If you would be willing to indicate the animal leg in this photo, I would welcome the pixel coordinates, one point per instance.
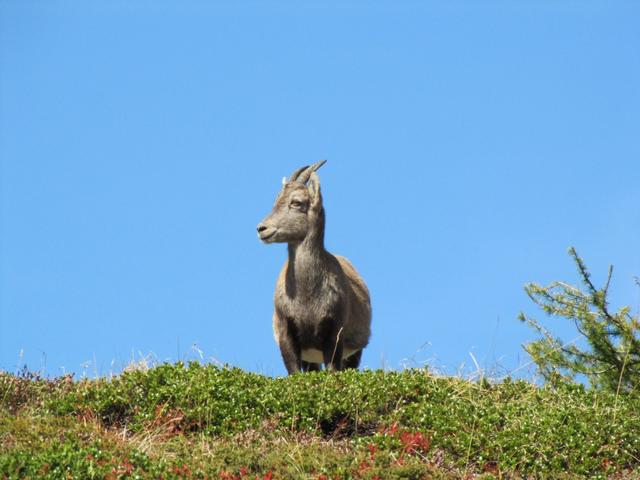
(289, 347)
(310, 367)
(353, 361)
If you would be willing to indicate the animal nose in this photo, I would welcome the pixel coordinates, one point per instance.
(261, 228)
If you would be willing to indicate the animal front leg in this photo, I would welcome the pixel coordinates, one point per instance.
(289, 347)
(290, 355)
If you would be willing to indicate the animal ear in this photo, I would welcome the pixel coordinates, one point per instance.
(314, 189)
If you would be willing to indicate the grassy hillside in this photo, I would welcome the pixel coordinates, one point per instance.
(194, 421)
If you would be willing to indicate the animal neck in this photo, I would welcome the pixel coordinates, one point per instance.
(306, 261)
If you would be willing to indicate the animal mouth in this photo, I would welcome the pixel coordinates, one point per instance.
(267, 234)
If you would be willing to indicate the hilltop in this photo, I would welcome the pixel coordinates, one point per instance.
(202, 421)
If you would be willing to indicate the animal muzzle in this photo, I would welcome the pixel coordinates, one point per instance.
(266, 233)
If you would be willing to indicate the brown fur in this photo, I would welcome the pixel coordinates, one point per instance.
(322, 307)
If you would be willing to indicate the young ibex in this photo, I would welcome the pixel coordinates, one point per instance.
(322, 308)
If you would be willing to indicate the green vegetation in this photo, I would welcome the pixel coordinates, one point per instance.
(200, 421)
(195, 421)
(611, 359)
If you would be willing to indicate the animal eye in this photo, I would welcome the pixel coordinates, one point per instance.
(296, 203)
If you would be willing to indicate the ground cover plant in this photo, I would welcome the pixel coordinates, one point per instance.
(184, 421)
(201, 421)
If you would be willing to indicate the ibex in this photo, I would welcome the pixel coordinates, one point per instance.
(322, 308)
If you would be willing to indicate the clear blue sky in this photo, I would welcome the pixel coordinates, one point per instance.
(469, 144)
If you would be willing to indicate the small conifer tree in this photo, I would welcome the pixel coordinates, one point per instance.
(610, 358)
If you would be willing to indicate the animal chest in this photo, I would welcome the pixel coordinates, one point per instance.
(310, 306)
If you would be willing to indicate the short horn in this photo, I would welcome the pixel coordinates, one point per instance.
(297, 173)
(306, 173)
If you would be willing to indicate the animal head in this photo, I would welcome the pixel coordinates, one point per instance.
(297, 208)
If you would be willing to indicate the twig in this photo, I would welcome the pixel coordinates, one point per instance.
(336, 345)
